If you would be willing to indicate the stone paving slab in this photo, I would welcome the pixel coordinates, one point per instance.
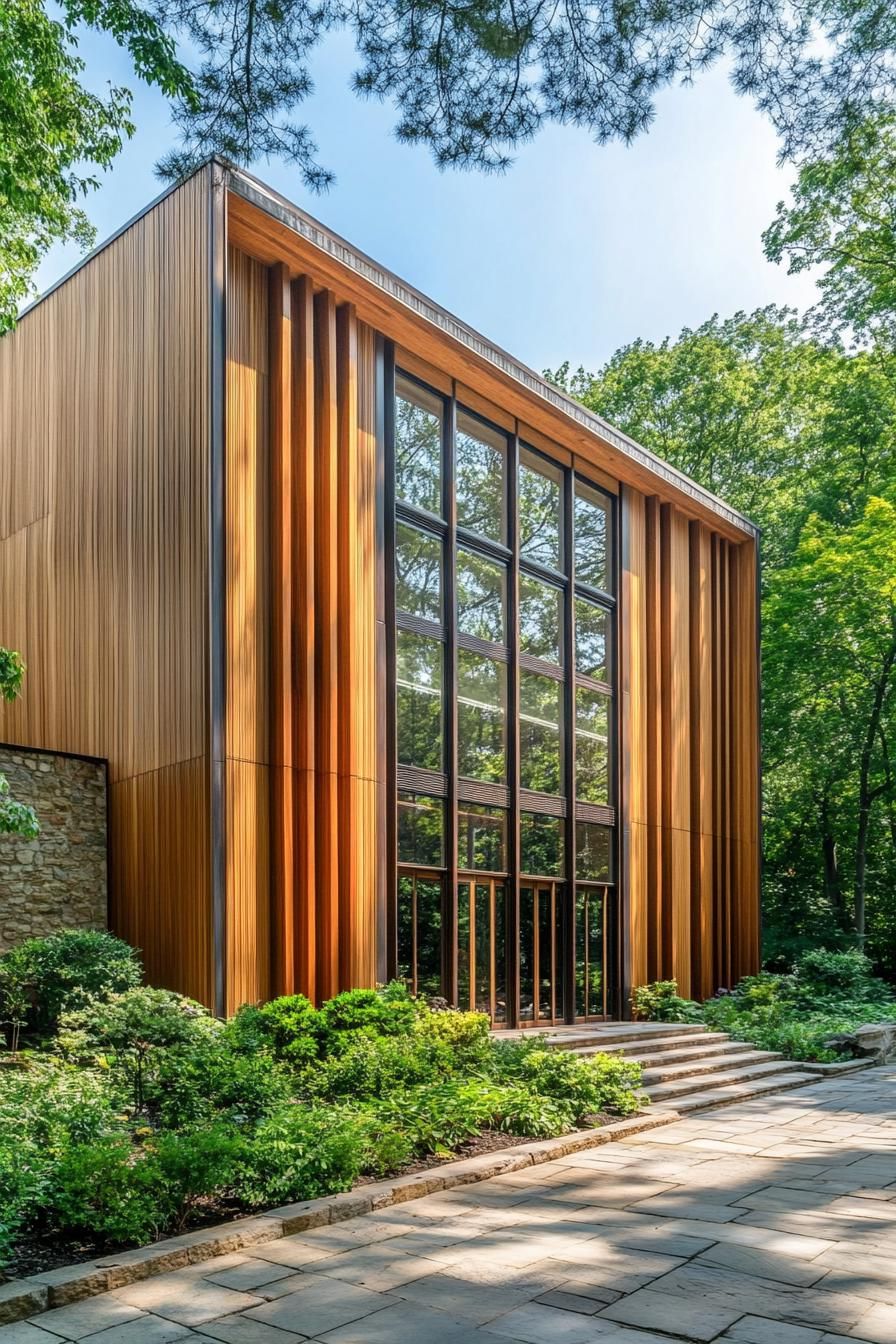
(773, 1222)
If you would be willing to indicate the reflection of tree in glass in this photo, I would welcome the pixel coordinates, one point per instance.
(419, 700)
(541, 845)
(591, 640)
(481, 697)
(541, 701)
(592, 746)
(540, 619)
(420, 830)
(418, 573)
(591, 541)
(539, 508)
(481, 838)
(592, 852)
(481, 586)
(418, 451)
(428, 929)
(479, 477)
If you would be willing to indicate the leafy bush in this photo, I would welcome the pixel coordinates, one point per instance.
(195, 1165)
(374, 1066)
(103, 1190)
(213, 1079)
(586, 1085)
(383, 1012)
(291, 1027)
(64, 972)
(660, 1002)
(134, 1028)
(846, 974)
(299, 1152)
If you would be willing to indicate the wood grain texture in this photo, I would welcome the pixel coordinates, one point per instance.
(690, 742)
(104, 439)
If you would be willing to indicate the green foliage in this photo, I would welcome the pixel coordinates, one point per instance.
(386, 1012)
(587, 1085)
(826, 993)
(15, 818)
(801, 436)
(213, 1077)
(61, 973)
(101, 1190)
(132, 1031)
(291, 1027)
(660, 1002)
(299, 1152)
(56, 132)
(840, 219)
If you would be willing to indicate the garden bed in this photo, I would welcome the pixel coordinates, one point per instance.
(134, 1115)
(805, 1014)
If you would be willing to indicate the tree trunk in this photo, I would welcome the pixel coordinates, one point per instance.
(867, 794)
(833, 884)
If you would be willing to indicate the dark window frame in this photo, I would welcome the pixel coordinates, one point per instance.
(448, 785)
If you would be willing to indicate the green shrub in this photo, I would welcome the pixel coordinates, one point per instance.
(374, 1066)
(467, 1034)
(517, 1110)
(846, 974)
(64, 972)
(660, 1002)
(201, 1164)
(213, 1079)
(586, 1085)
(300, 1152)
(132, 1030)
(382, 1012)
(291, 1027)
(105, 1190)
(385, 1146)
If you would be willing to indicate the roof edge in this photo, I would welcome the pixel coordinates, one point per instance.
(318, 235)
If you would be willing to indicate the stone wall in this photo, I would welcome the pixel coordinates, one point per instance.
(57, 881)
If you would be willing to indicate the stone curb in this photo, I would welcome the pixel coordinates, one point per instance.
(834, 1070)
(22, 1298)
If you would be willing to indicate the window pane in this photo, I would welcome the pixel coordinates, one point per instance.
(593, 550)
(592, 640)
(419, 700)
(418, 446)
(480, 458)
(420, 934)
(541, 706)
(482, 838)
(540, 512)
(593, 852)
(420, 830)
(592, 746)
(463, 946)
(541, 619)
(418, 573)
(481, 702)
(481, 597)
(541, 845)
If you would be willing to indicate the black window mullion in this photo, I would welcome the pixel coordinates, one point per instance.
(569, 1007)
(512, 936)
(449, 509)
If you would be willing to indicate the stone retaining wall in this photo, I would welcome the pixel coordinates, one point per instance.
(59, 880)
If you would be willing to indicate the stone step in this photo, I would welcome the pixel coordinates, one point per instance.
(616, 1034)
(730, 1093)
(684, 1047)
(670, 1072)
(683, 1087)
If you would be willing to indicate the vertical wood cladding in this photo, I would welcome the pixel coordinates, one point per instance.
(690, 718)
(301, 586)
(104, 436)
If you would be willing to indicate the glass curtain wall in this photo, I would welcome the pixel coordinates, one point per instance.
(501, 622)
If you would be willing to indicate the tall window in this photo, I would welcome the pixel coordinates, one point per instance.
(504, 717)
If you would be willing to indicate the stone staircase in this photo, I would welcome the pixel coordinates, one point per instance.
(685, 1066)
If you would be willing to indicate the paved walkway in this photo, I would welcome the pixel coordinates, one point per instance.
(773, 1222)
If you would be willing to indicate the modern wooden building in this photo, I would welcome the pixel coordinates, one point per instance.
(403, 663)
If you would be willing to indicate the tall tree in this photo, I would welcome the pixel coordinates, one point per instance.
(802, 437)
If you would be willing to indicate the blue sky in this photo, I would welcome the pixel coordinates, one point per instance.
(577, 250)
